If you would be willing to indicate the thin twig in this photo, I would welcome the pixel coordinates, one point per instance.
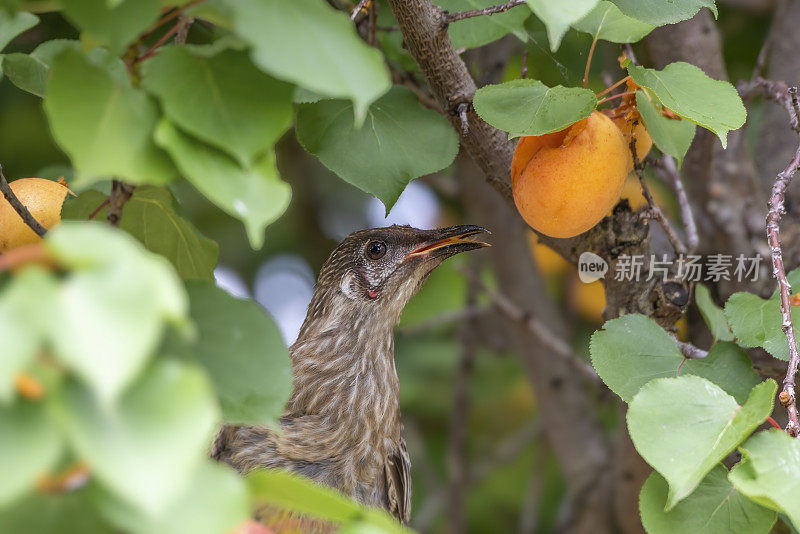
(538, 329)
(667, 164)
(448, 17)
(766, 46)
(358, 9)
(98, 209)
(183, 32)
(459, 421)
(775, 91)
(523, 72)
(443, 319)
(171, 15)
(589, 62)
(120, 194)
(19, 207)
(178, 27)
(776, 210)
(654, 211)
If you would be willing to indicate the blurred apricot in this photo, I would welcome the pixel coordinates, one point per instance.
(43, 198)
(589, 300)
(550, 262)
(565, 182)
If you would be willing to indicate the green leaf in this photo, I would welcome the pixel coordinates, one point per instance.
(244, 111)
(111, 310)
(769, 472)
(319, 49)
(727, 366)
(558, 16)
(285, 490)
(105, 128)
(632, 350)
(756, 322)
(214, 501)
(70, 512)
(152, 216)
(659, 13)
(478, 31)
(715, 507)
(712, 314)
(529, 107)
(115, 26)
(684, 426)
(608, 23)
(400, 141)
(31, 443)
(671, 136)
(101, 57)
(13, 24)
(23, 319)
(255, 195)
(689, 92)
(241, 348)
(26, 72)
(147, 449)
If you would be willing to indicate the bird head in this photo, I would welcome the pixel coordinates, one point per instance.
(380, 269)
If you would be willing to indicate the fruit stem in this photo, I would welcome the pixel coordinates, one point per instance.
(589, 63)
(773, 423)
(609, 89)
(626, 93)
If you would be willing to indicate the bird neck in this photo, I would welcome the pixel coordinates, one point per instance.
(343, 369)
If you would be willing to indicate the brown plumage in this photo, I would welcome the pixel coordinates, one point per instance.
(341, 426)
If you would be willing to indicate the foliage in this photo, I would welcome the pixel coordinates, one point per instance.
(139, 358)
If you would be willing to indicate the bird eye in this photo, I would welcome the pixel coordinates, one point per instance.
(376, 250)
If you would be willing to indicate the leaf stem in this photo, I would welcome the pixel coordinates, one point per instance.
(448, 17)
(589, 63)
(618, 95)
(611, 88)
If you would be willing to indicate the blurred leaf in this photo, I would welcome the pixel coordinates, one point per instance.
(112, 25)
(715, 507)
(528, 107)
(241, 348)
(255, 195)
(13, 24)
(712, 314)
(63, 513)
(309, 43)
(285, 490)
(30, 442)
(605, 21)
(684, 426)
(671, 136)
(478, 31)
(147, 449)
(659, 13)
(24, 302)
(244, 111)
(110, 311)
(26, 72)
(689, 92)
(558, 16)
(48, 51)
(152, 216)
(445, 291)
(769, 472)
(400, 141)
(104, 127)
(215, 501)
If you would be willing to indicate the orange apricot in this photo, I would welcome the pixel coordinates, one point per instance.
(43, 198)
(634, 126)
(567, 181)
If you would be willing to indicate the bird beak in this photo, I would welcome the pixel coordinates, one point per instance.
(449, 241)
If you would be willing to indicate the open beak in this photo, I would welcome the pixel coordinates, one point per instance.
(449, 241)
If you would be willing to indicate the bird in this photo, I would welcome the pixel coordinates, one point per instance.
(341, 426)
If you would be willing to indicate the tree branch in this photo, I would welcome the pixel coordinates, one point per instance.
(120, 194)
(19, 207)
(447, 17)
(669, 173)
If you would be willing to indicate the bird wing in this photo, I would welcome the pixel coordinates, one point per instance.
(398, 483)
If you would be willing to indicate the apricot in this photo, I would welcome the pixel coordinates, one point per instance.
(634, 126)
(43, 198)
(565, 182)
(550, 262)
(588, 300)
